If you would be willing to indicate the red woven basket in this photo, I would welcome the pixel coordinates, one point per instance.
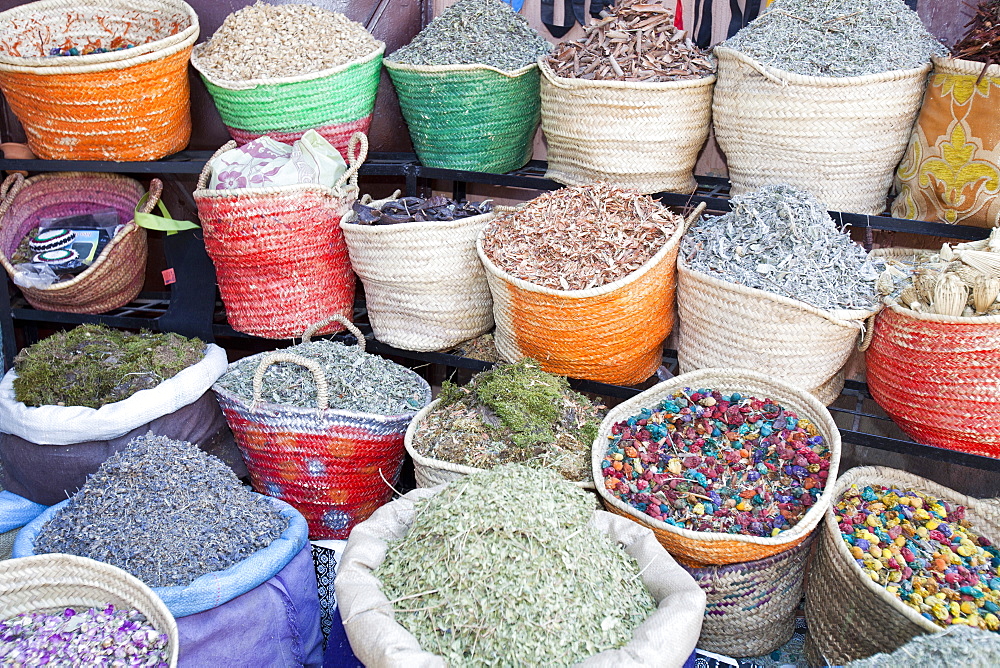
(335, 467)
(279, 253)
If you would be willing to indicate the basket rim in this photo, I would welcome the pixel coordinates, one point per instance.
(784, 77)
(345, 191)
(397, 228)
(818, 414)
(965, 66)
(250, 84)
(569, 83)
(100, 61)
(465, 67)
(672, 244)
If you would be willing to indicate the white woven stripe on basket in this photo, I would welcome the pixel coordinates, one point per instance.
(50, 583)
(725, 324)
(430, 471)
(425, 287)
(840, 138)
(748, 383)
(640, 135)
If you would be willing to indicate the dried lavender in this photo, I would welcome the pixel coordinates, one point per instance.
(783, 241)
(475, 32)
(164, 511)
(838, 38)
(484, 581)
(357, 381)
(91, 637)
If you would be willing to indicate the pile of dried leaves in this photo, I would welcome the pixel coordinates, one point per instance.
(579, 238)
(512, 413)
(636, 41)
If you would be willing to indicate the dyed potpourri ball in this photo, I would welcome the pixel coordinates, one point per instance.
(92, 637)
(726, 463)
(924, 552)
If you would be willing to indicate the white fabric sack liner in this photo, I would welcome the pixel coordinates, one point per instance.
(667, 637)
(67, 425)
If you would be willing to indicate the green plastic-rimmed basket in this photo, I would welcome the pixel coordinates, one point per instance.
(336, 102)
(469, 117)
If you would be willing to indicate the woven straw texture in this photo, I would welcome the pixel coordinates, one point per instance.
(429, 471)
(850, 616)
(116, 276)
(725, 324)
(751, 606)
(639, 135)
(840, 138)
(700, 548)
(938, 377)
(50, 583)
(279, 253)
(334, 466)
(611, 334)
(132, 104)
(337, 101)
(469, 117)
(425, 287)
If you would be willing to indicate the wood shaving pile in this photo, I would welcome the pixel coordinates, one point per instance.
(579, 238)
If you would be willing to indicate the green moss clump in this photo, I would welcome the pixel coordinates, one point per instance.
(94, 365)
(527, 401)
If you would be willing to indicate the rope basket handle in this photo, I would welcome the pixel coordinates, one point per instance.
(694, 215)
(206, 171)
(322, 387)
(869, 332)
(11, 186)
(155, 191)
(355, 158)
(308, 334)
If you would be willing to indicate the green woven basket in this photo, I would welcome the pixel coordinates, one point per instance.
(287, 107)
(469, 117)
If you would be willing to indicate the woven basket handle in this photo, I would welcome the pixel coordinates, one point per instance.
(355, 158)
(11, 186)
(308, 334)
(155, 190)
(206, 171)
(322, 387)
(693, 216)
(869, 332)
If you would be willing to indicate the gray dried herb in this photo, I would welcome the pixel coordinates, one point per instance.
(838, 38)
(164, 511)
(956, 646)
(417, 210)
(783, 241)
(501, 569)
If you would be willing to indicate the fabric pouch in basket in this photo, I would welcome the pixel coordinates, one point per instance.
(839, 590)
(639, 135)
(334, 466)
(116, 276)
(425, 288)
(279, 253)
(700, 548)
(839, 138)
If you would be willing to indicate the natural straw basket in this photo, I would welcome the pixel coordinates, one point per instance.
(279, 254)
(937, 376)
(334, 466)
(336, 102)
(725, 324)
(50, 583)
(751, 606)
(840, 138)
(132, 104)
(850, 616)
(700, 548)
(640, 135)
(116, 276)
(429, 471)
(469, 117)
(611, 334)
(425, 288)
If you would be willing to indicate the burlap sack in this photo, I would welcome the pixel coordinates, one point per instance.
(665, 639)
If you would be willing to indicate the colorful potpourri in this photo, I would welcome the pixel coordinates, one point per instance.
(92, 637)
(924, 552)
(727, 463)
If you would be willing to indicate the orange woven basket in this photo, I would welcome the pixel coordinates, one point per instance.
(700, 548)
(130, 104)
(117, 275)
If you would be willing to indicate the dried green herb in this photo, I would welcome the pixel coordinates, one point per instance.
(475, 32)
(512, 413)
(501, 569)
(94, 365)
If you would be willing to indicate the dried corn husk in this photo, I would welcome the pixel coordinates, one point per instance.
(950, 296)
(924, 283)
(885, 283)
(984, 293)
(946, 253)
(909, 298)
